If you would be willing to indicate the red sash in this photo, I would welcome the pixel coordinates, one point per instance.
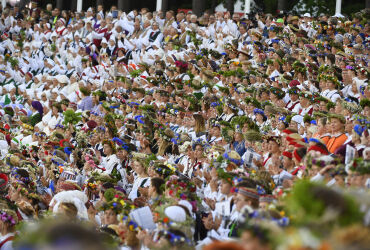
(10, 238)
(293, 105)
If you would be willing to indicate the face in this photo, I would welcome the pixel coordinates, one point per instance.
(238, 136)
(138, 167)
(274, 147)
(107, 149)
(336, 125)
(294, 97)
(198, 151)
(240, 202)
(122, 154)
(110, 217)
(225, 187)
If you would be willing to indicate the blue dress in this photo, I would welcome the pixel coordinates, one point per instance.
(239, 147)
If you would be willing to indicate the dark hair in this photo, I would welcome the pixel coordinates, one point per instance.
(301, 152)
(331, 57)
(323, 120)
(157, 183)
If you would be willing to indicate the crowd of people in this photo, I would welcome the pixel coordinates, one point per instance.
(167, 130)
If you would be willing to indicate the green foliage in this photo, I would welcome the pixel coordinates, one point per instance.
(13, 62)
(109, 194)
(316, 206)
(135, 73)
(71, 117)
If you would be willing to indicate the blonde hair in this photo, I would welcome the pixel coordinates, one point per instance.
(163, 146)
(200, 124)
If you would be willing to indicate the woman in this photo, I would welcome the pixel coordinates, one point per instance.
(338, 137)
(37, 113)
(141, 180)
(239, 143)
(155, 191)
(181, 68)
(86, 100)
(8, 220)
(111, 163)
(197, 160)
(199, 125)
(165, 145)
(322, 130)
(230, 111)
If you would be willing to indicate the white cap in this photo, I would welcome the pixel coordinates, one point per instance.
(307, 15)
(175, 213)
(104, 40)
(46, 118)
(338, 15)
(187, 205)
(27, 140)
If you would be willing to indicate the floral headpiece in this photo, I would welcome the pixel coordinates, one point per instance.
(180, 188)
(174, 239)
(167, 170)
(181, 64)
(111, 144)
(132, 225)
(119, 205)
(7, 218)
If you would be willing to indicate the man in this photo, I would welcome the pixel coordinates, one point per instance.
(55, 16)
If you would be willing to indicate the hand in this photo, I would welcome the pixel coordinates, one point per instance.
(207, 175)
(211, 203)
(258, 163)
(325, 169)
(44, 182)
(180, 167)
(217, 222)
(140, 202)
(143, 191)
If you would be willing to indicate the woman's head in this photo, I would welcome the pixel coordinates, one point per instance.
(138, 167)
(110, 217)
(200, 125)
(156, 186)
(68, 210)
(36, 105)
(108, 147)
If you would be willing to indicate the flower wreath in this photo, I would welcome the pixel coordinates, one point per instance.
(132, 225)
(181, 64)
(173, 238)
(179, 188)
(7, 218)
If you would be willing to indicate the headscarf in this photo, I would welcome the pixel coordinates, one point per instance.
(38, 106)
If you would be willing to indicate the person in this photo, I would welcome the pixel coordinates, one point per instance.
(152, 130)
(338, 137)
(141, 181)
(8, 222)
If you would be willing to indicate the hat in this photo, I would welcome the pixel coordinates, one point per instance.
(233, 156)
(294, 83)
(248, 192)
(175, 213)
(92, 124)
(3, 181)
(267, 198)
(253, 136)
(38, 106)
(288, 154)
(307, 15)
